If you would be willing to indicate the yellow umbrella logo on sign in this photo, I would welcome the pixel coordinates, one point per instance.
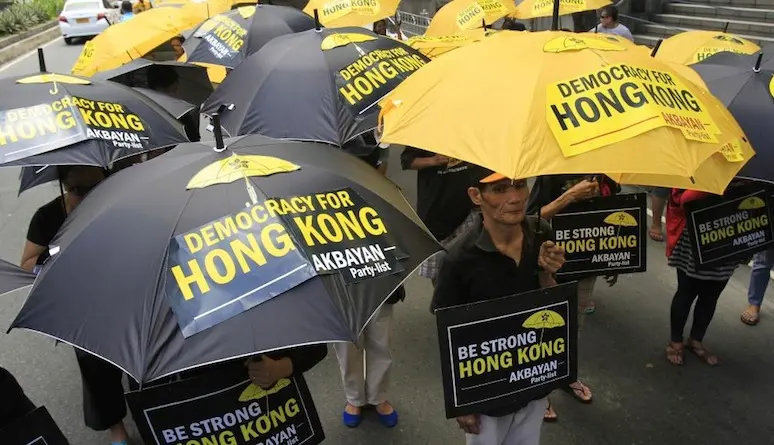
(255, 392)
(577, 43)
(238, 167)
(544, 319)
(621, 219)
(771, 86)
(753, 202)
(337, 40)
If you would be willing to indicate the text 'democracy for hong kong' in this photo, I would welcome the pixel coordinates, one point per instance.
(507, 351)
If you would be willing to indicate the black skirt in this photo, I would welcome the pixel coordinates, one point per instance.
(103, 392)
(14, 404)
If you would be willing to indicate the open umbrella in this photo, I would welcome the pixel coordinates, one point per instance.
(192, 83)
(227, 39)
(464, 15)
(532, 9)
(690, 47)
(745, 84)
(62, 119)
(133, 39)
(582, 105)
(339, 13)
(433, 47)
(13, 277)
(219, 253)
(317, 85)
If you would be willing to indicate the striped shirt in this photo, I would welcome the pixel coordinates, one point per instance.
(682, 259)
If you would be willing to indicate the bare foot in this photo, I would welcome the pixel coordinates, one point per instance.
(352, 409)
(384, 408)
(118, 433)
(751, 315)
(550, 415)
(675, 353)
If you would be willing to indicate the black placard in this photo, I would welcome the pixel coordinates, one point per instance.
(343, 233)
(603, 236)
(508, 350)
(36, 428)
(229, 411)
(730, 227)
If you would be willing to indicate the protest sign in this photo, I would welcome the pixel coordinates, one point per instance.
(619, 101)
(340, 232)
(508, 350)
(36, 428)
(603, 236)
(364, 82)
(226, 411)
(730, 227)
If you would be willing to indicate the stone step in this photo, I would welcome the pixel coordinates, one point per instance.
(735, 26)
(767, 4)
(662, 31)
(747, 13)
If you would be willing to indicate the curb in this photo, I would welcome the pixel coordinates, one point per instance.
(17, 45)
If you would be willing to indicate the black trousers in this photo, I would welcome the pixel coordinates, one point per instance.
(14, 404)
(103, 392)
(705, 293)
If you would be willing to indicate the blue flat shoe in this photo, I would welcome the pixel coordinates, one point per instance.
(351, 420)
(388, 420)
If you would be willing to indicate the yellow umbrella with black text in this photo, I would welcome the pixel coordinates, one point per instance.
(581, 105)
(340, 13)
(464, 15)
(532, 9)
(693, 46)
(317, 85)
(252, 245)
(433, 47)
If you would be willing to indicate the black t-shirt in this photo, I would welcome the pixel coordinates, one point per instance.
(474, 270)
(442, 193)
(44, 225)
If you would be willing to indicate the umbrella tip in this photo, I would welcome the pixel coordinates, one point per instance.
(218, 132)
(655, 48)
(317, 25)
(41, 60)
(757, 67)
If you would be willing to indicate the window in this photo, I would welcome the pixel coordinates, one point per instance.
(81, 6)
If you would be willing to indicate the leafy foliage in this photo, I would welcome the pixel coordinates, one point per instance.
(22, 16)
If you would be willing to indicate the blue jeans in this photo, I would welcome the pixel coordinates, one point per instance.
(759, 279)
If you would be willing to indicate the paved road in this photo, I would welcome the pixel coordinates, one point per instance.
(639, 398)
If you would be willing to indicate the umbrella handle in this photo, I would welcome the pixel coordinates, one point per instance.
(317, 24)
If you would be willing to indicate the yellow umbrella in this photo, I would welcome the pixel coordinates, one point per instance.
(435, 46)
(339, 13)
(132, 39)
(576, 105)
(694, 46)
(532, 9)
(201, 10)
(544, 319)
(464, 15)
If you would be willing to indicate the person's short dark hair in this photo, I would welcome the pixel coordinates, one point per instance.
(63, 171)
(161, 77)
(611, 11)
(126, 6)
(513, 25)
(566, 30)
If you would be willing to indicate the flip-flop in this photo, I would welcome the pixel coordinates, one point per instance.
(702, 353)
(656, 235)
(749, 318)
(574, 392)
(673, 352)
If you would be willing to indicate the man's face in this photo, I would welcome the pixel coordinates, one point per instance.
(177, 46)
(502, 201)
(81, 180)
(380, 28)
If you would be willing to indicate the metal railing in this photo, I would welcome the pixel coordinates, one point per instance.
(413, 24)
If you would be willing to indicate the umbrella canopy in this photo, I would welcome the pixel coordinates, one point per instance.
(224, 253)
(227, 39)
(532, 9)
(339, 13)
(133, 39)
(433, 47)
(690, 47)
(62, 119)
(745, 84)
(582, 105)
(317, 85)
(464, 15)
(191, 82)
(13, 277)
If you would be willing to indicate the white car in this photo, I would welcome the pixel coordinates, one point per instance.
(84, 18)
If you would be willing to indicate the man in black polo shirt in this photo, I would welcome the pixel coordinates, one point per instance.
(505, 253)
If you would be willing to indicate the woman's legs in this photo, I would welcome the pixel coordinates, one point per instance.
(104, 407)
(709, 292)
(352, 377)
(681, 307)
(377, 341)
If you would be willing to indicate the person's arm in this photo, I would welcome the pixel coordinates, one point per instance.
(30, 255)
(417, 159)
(628, 34)
(546, 278)
(36, 243)
(582, 190)
(302, 358)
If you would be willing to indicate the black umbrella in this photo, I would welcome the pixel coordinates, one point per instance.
(318, 85)
(744, 83)
(212, 254)
(13, 277)
(226, 39)
(63, 119)
(193, 84)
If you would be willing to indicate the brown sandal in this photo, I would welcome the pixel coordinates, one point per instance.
(675, 353)
(550, 415)
(750, 318)
(698, 349)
